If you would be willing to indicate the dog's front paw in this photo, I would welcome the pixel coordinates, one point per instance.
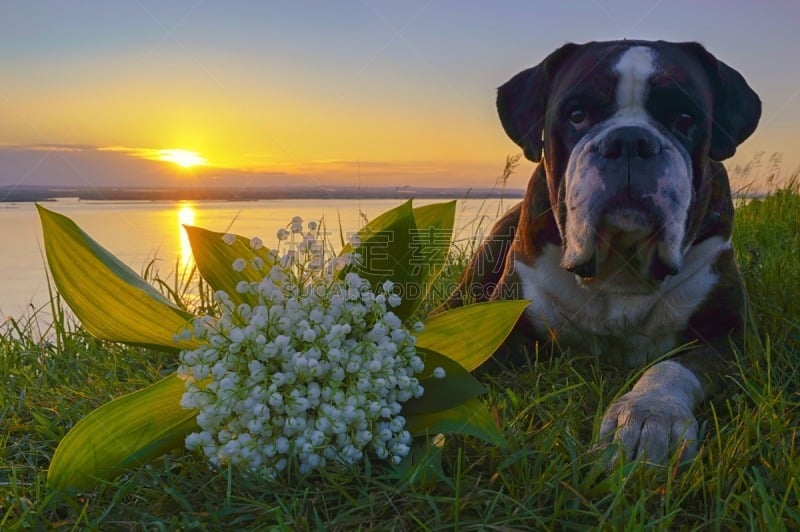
(650, 426)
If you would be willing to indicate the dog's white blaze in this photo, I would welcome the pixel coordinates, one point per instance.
(643, 326)
(635, 66)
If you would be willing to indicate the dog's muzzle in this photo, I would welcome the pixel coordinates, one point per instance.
(628, 191)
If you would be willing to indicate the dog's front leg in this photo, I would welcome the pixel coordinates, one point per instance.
(655, 418)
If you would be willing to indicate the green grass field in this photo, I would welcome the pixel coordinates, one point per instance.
(745, 477)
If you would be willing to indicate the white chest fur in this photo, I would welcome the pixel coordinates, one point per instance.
(633, 328)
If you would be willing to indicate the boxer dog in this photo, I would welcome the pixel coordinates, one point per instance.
(622, 244)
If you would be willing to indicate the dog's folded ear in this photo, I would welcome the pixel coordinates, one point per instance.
(737, 108)
(522, 102)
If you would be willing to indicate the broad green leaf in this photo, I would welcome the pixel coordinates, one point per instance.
(472, 333)
(470, 417)
(457, 386)
(110, 299)
(214, 259)
(431, 242)
(386, 254)
(125, 433)
(422, 466)
(439, 215)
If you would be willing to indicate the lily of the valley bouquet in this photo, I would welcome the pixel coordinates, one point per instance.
(311, 360)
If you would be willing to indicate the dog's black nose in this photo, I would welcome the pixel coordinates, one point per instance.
(629, 142)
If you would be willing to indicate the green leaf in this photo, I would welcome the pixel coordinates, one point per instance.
(422, 466)
(110, 299)
(214, 259)
(472, 333)
(470, 417)
(123, 434)
(408, 246)
(386, 254)
(431, 243)
(457, 386)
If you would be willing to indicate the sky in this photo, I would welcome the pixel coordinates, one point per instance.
(357, 93)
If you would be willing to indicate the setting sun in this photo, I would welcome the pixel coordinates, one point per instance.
(183, 158)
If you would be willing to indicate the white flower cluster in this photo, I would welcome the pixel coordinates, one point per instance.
(311, 374)
(305, 250)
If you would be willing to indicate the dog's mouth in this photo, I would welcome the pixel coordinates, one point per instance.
(627, 244)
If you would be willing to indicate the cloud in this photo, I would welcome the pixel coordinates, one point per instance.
(71, 165)
(390, 173)
(77, 165)
(62, 148)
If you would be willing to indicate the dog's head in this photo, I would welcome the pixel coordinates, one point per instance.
(625, 130)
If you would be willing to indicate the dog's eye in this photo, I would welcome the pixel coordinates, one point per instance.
(683, 123)
(577, 117)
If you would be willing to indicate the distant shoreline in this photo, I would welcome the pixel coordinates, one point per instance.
(22, 194)
(27, 194)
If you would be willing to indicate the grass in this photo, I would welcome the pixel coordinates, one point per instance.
(745, 477)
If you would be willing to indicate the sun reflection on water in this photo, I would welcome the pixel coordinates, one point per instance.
(185, 217)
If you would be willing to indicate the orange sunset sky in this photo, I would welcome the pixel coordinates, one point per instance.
(96, 93)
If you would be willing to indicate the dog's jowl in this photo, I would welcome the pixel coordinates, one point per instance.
(623, 241)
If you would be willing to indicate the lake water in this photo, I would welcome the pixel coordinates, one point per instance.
(137, 232)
